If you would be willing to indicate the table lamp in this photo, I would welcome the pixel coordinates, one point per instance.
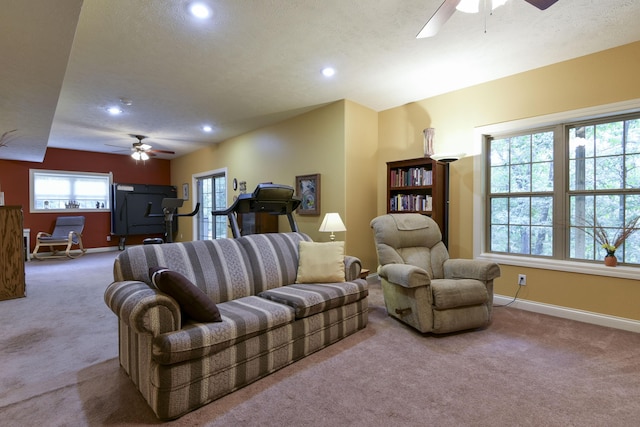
(331, 223)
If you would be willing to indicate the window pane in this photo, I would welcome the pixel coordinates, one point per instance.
(499, 238)
(500, 179)
(542, 243)
(499, 152)
(609, 172)
(543, 147)
(581, 174)
(609, 138)
(632, 171)
(519, 210)
(519, 240)
(633, 137)
(542, 211)
(581, 142)
(499, 211)
(542, 174)
(520, 178)
(520, 148)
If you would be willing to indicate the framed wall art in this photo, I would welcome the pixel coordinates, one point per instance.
(308, 190)
(185, 191)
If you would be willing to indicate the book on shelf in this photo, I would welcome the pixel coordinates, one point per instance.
(410, 202)
(411, 177)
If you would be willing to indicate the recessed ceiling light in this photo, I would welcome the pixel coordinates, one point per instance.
(207, 128)
(114, 111)
(328, 72)
(200, 10)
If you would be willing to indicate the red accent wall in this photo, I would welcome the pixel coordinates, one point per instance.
(14, 182)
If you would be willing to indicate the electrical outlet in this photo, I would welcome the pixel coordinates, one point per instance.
(522, 279)
(108, 238)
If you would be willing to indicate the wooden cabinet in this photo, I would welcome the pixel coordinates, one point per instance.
(257, 223)
(12, 278)
(417, 185)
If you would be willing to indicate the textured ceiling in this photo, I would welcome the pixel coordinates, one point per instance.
(258, 62)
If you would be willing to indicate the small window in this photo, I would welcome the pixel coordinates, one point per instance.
(64, 191)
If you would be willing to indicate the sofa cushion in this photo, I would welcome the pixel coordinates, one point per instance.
(449, 293)
(311, 298)
(320, 262)
(242, 319)
(193, 302)
(273, 257)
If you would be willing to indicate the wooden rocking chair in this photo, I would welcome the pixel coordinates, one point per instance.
(67, 232)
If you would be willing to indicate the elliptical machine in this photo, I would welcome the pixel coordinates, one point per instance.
(169, 211)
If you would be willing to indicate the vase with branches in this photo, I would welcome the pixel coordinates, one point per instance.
(611, 245)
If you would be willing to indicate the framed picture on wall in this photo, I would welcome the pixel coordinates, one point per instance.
(308, 190)
(185, 191)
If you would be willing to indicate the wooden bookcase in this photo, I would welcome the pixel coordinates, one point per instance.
(12, 276)
(417, 186)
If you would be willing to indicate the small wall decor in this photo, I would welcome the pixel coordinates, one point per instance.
(185, 191)
(429, 135)
(308, 189)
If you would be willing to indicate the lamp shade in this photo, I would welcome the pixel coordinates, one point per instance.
(332, 223)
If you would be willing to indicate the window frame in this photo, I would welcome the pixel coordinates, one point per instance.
(34, 172)
(480, 196)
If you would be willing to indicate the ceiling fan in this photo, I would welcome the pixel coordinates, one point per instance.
(448, 7)
(144, 151)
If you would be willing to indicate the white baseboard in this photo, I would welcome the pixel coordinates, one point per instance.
(571, 313)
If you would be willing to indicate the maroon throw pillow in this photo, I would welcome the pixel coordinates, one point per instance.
(194, 303)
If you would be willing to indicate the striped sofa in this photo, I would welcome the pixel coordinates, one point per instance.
(178, 364)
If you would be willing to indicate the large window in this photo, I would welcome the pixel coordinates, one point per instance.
(62, 191)
(550, 191)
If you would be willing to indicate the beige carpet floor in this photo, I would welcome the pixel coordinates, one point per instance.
(59, 367)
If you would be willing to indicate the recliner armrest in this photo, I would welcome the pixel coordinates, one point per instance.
(405, 275)
(471, 269)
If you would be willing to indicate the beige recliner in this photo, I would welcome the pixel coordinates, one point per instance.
(422, 287)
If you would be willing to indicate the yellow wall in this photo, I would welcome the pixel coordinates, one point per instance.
(314, 142)
(598, 79)
(361, 144)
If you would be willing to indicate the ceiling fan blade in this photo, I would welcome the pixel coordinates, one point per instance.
(438, 19)
(161, 151)
(541, 4)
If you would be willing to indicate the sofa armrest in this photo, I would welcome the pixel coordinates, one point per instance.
(471, 269)
(352, 268)
(405, 275)
(142, 308)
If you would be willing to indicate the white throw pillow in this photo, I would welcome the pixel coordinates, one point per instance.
(320, 262)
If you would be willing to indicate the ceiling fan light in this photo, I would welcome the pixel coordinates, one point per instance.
(145, 147)
(469, 6)
(136, 155)
(144, 156)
